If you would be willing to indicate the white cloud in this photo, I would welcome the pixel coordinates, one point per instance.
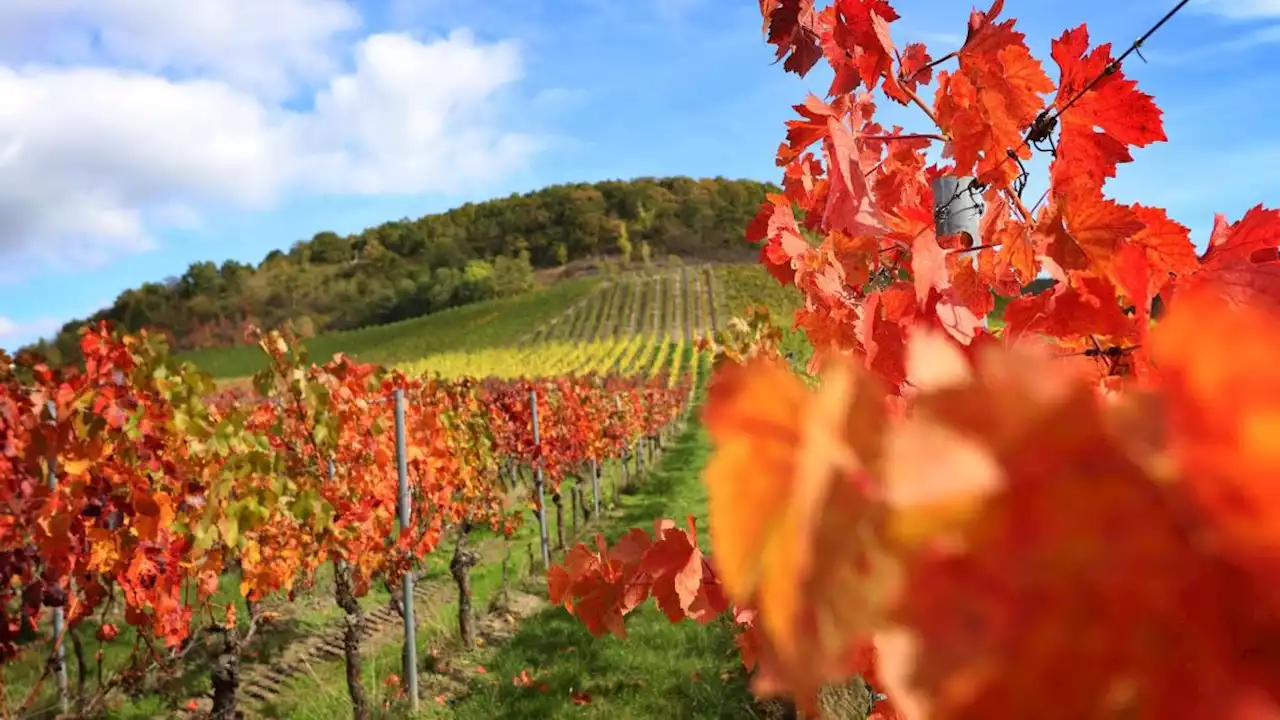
(948, 39)
(1267, 35)
(264, 46)
(412, 117)
(93, 158)
(675, 11)
(89, 149)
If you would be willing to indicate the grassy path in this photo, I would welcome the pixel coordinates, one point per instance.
(660, 668)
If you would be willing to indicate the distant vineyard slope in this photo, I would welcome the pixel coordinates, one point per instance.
(412, 267)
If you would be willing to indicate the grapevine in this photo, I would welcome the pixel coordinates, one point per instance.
(1066, 517)
(615, 329)
(162, 486)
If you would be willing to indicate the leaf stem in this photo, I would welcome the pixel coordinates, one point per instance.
(915, 99)
(932, 64)
(1016, 201)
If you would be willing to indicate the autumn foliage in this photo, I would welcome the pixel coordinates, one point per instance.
(130, 487)
(1074, 515)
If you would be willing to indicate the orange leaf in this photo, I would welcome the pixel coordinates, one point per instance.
(985, 105)
(682, 581)
(787, 509)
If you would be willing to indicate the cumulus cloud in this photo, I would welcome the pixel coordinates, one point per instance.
(88, 150)
(413, 117)
(183, 109)
(264, 46)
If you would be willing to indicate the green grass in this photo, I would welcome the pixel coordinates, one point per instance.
(468, 327)
(658, 668)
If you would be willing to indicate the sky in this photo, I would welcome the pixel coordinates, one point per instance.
(140, 136)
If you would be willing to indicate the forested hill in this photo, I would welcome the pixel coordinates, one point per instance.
(411, 267)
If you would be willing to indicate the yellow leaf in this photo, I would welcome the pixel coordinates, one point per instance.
(79, 466)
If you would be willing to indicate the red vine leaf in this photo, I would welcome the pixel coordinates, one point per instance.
(858, 45)
(851, 208)
(791, 26)
(986, 104)
(1102, 124)
(682, 581)
(1242, 263)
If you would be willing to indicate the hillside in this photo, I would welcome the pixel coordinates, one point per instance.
(635, 321)
(408, 268)
(497, 322)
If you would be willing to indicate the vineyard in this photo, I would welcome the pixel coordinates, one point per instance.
(182, 546)
(176, 548)
(639, 323)
(469, 327)
(978, 499)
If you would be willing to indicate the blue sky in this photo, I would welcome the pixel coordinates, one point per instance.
(138, 137)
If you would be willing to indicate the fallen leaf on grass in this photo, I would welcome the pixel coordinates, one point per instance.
(524, 679)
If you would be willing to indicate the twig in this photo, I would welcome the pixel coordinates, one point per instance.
(928, 66)
(915, 99)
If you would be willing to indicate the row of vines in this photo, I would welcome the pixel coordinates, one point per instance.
(639, 324)
(131, 489)
(672, 302)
